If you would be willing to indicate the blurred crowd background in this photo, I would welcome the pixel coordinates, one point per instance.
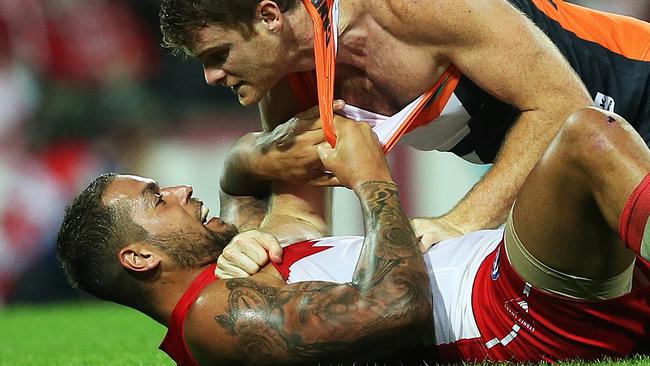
(85, 88)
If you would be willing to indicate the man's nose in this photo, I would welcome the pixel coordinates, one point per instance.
(181, 193)
(214, 76)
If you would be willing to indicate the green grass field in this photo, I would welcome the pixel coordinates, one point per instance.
(93, 333)
(79, 334)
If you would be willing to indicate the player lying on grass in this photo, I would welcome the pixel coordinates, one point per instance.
(125, 240)
(557, 282)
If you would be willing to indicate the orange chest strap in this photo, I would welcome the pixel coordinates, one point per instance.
(325, 57)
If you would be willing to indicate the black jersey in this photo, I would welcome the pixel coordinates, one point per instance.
(610, 53)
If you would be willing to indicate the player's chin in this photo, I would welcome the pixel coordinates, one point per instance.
(249, 95)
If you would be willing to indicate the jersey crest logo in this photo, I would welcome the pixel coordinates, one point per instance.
(495, 266)
(605, 102)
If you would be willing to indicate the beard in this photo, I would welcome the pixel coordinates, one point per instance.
(194, 249)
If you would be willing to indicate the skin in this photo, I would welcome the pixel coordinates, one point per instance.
(579, 189)
(261, 319)
(540, 83)
(568, 211)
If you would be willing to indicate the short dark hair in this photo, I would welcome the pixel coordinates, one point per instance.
(180, 19)
(89, 239)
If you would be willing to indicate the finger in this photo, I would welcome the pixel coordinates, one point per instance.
(312, 137)
(275, 253)
(238, 259)
(325, 180)
(338, 105)
(255, 251)
(285, 136)
(273, 250)
(253, 245)
(221, 274)
(311, 113)
(230, 271)
(423, 247)
(325, 152)
(343, 125)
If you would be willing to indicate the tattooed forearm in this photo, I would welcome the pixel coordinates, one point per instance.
(245, 212)
(390, 241)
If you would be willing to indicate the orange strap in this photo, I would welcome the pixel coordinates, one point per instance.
(433, 102)
(325, 54)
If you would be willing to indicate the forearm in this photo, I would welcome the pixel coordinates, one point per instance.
(488, 203)
(238, 177)
(245, 212)
(298, 212)
(389, 238)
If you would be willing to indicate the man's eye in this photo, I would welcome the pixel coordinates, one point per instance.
(159, 199)
(218, 57)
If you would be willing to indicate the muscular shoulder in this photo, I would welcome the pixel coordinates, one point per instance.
(208, 340)
(217, 326)
(438, 21)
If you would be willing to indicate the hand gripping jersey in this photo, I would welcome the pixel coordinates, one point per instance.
(610, 53)
(482, 310)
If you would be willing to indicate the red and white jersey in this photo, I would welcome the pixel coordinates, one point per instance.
(483, 310)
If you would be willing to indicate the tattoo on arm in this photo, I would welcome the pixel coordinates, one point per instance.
(389, 237)
(389, 295)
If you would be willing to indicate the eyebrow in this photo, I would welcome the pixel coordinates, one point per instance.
(212, 49)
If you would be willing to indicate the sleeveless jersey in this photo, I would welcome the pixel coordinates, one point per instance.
(174, 343)
(610, 53)
(482, 310)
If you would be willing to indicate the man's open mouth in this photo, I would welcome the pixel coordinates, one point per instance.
(203, 213)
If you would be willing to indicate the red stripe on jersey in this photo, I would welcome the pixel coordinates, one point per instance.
(634, 217)
(174, 343)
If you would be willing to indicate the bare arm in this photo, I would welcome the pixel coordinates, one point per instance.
(284, 150)
(245, 212)
(262, 163)
(298, 212)
(507, 55)
(263, 322)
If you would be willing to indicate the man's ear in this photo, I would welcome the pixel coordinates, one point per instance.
(269, 12)
(136, 257)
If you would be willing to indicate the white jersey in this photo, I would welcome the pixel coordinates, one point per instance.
(452, 265)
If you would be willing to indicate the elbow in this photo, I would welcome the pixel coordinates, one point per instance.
(411, 306)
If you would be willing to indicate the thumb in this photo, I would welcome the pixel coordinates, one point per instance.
(325, 152)
(338, 105)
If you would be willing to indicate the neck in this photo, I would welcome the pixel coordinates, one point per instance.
(301, 54)
(303, 31)
(167, 291)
